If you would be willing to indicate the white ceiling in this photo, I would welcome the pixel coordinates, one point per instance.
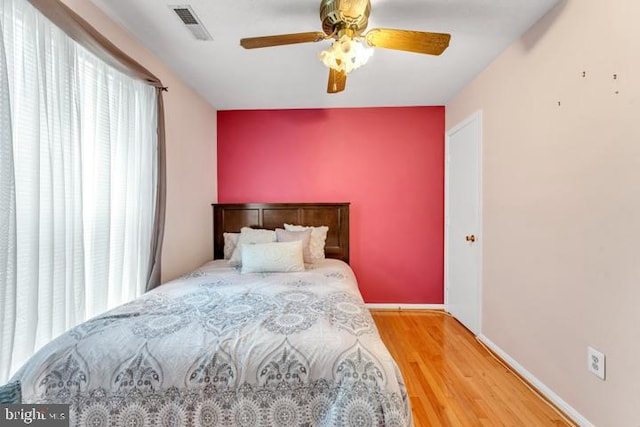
(230, 77)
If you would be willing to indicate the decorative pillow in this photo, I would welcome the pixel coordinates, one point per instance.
(250, 236)
(272, 257)
(318, 239)
(291, 236)
(230, 243)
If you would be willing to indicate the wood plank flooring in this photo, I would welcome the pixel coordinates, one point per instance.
(452, 380)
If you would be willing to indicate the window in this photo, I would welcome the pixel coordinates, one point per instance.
(78, 179)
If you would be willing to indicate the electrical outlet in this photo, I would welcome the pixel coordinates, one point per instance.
(595, 362)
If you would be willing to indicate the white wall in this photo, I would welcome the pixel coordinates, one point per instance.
(561, 197)
(191, 153)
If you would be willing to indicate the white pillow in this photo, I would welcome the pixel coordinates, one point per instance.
(250, 236)
(318, 239)
(272, 257)
(230, 243)
(283, 235)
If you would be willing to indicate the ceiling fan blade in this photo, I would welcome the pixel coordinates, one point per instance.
(337, 81)
(410, 41)
(282, 39)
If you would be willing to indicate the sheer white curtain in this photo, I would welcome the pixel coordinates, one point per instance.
(77, 184)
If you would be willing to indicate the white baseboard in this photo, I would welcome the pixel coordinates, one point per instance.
(546, 391)
(394, 306)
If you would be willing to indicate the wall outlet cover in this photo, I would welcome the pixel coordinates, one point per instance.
(596, 362)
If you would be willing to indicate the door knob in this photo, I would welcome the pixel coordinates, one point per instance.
(470, 238)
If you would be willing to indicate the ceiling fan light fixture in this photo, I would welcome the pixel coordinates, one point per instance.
(346, 54)
(346, 22)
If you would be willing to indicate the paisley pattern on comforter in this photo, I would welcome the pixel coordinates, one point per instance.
(220, 348)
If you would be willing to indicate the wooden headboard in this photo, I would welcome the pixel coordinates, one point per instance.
(231, 217)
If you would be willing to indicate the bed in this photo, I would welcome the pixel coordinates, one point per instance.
(223, 347)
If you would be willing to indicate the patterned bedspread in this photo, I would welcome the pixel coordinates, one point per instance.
(218, 347)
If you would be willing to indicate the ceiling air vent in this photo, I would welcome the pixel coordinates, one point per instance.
(191, 21)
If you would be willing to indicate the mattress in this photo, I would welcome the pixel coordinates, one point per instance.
(218, 347)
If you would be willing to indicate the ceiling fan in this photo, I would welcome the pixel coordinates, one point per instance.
(345, 21)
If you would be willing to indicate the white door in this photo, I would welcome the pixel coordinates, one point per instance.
(462, 222)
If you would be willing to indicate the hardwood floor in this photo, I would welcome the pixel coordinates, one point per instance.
(452, 380)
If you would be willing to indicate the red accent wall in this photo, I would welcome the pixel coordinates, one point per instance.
(388, 162)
